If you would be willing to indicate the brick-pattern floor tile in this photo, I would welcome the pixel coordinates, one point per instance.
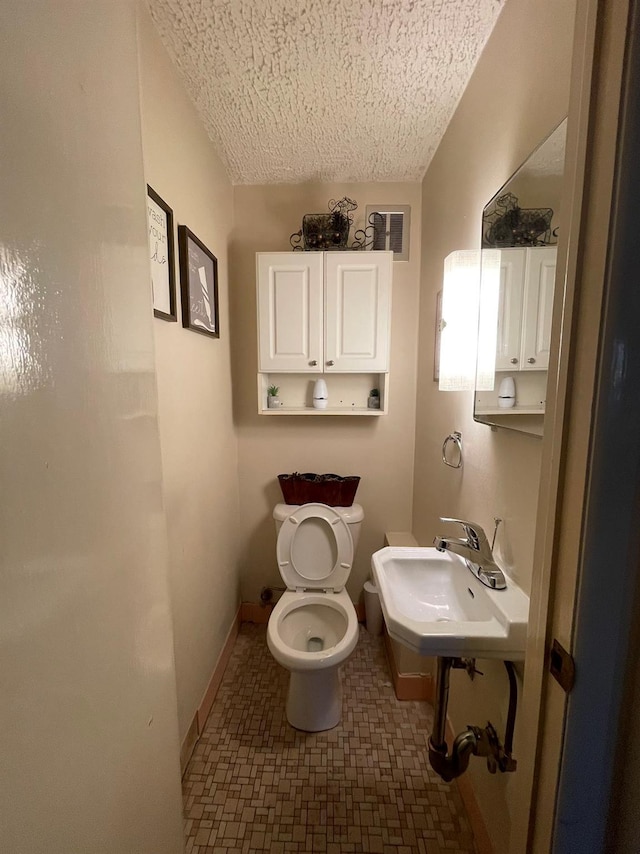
(256, 784)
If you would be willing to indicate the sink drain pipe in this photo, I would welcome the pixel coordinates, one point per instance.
(474, 741)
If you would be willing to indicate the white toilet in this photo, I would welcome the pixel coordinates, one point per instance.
(313, 628)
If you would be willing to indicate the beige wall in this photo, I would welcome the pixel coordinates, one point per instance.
(88, 724)
(380, 450)
(518, 93)
(197, 435)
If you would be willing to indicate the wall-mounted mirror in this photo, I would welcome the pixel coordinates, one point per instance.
(518, 263)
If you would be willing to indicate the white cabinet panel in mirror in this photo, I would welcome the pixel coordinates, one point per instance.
(520, 227)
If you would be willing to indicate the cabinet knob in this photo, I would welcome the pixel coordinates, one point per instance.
(330, 362)
(313, 363)
(514, 361)
(531, 360)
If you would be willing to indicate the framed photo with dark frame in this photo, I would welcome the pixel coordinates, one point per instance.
(162, 257)
(198, 284)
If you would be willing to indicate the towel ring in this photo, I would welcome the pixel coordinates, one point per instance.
(456, 438)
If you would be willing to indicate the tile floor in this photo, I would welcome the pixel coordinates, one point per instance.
(256, 784)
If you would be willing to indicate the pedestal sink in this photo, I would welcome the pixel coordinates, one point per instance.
(436, 606)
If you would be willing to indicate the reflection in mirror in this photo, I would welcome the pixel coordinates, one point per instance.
(518, 263)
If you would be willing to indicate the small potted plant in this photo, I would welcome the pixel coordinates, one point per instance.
(374, 399)
(273, 401)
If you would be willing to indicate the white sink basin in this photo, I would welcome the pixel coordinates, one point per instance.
(436, 606)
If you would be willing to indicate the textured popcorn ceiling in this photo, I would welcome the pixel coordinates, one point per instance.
(548, 159)
(325, 91)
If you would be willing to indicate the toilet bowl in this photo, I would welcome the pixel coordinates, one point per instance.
(313, 628)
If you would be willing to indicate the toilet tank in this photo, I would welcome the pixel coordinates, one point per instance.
(353, 516)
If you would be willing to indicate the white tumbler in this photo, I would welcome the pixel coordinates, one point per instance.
(320, 395)
(507, 393)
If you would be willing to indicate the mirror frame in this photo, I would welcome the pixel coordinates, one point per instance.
(518, 230)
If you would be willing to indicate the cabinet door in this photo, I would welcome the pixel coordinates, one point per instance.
(538, 307)
(357, 311)
(510, 302)
(289, 311)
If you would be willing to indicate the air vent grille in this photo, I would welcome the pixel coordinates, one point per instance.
(391, 225)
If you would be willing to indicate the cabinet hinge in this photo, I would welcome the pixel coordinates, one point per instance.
(562, 666)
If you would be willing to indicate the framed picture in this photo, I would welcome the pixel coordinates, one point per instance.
(198, 284)
(162, 258)
(437, 337)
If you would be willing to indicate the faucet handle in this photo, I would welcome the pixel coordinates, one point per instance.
(464, 522)
(472, 529)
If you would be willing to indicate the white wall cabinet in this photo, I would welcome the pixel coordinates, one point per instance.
(324, 313)
(525, 306)
(290, 311)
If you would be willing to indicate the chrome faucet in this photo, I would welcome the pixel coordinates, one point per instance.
(475, 550)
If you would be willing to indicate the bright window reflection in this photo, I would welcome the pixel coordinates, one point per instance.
(459, 337)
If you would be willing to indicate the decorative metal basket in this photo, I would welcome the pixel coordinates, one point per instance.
(507, 224)
(325, 231)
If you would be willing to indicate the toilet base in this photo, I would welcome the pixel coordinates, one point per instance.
(314, 701)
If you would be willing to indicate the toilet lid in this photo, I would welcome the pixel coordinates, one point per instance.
(315, 549)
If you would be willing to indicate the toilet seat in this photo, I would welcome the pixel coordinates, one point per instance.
(315, 549)
(306, 660)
